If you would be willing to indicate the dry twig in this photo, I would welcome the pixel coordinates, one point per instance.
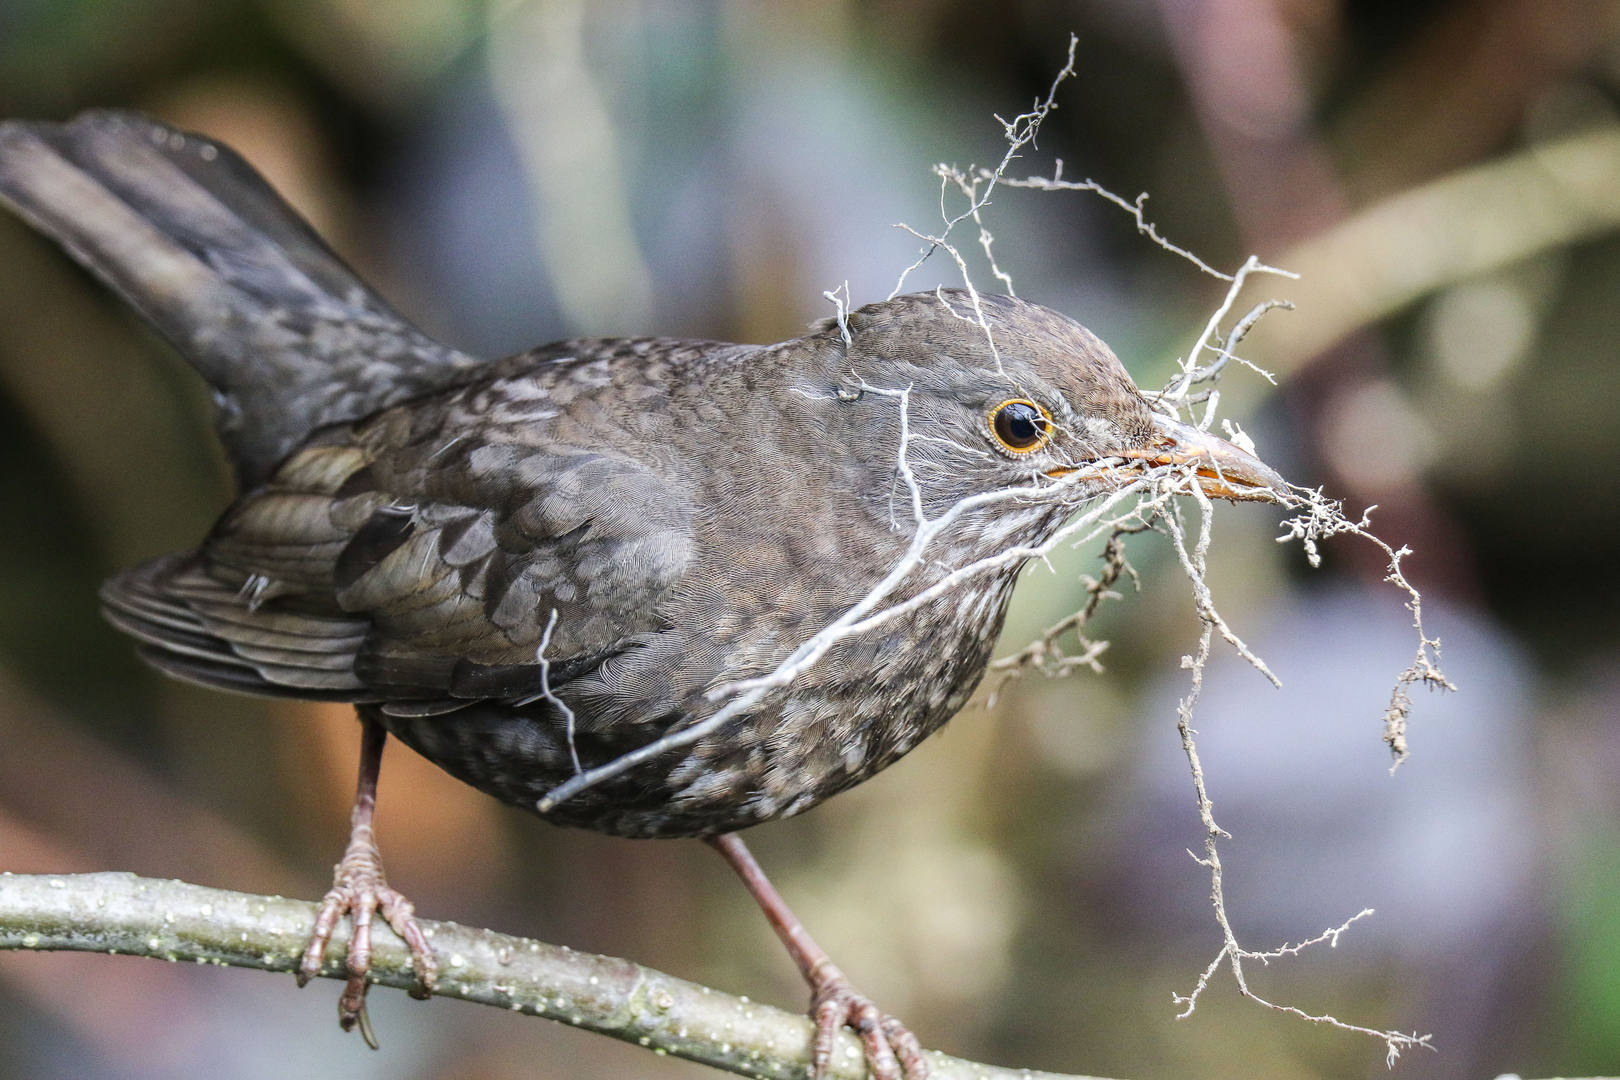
(1045, 654)
(1321, 518)
(977, 185)
(1148, 499)
(1232, 953)
(1316, 518)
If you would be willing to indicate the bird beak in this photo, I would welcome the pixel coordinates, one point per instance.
(1224, 471)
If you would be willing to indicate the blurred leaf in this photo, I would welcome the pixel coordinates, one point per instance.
(55, 53)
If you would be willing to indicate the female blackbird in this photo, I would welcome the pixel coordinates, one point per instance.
(528, 567)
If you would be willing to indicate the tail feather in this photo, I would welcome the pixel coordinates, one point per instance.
(185, 230)
(197, 628)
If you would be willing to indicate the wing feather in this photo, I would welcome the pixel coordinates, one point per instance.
(388, 561)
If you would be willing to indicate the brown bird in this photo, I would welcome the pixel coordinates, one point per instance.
(530, 567)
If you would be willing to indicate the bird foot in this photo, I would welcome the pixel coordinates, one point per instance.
(892, 1051)
(360, 890)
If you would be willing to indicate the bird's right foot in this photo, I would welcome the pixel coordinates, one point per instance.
(892, 1051)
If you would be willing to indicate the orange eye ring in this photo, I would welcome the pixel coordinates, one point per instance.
(1020, 426)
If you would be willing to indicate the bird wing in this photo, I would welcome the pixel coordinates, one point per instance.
(417, 557)
(197, 242)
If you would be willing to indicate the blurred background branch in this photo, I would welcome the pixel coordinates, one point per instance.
(1469, 224)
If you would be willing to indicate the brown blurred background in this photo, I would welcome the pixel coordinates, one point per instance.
(1446, 173)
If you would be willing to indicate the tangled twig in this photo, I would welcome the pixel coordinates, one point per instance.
(1045, 654)
(977, 185)
(1316, 517)
(1231, 952)
(1147, 501)
(1321, 518)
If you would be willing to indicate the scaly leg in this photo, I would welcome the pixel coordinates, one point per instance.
(360, 890)
(892, 1052)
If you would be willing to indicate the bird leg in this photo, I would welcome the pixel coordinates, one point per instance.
(360, 890)
(892, 1051)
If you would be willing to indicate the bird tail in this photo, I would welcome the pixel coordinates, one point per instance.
(196, 240)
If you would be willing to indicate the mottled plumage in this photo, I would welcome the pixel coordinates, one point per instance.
(691, 511)
(677, 515)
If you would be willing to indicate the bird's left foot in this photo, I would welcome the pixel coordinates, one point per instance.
(892, 1051)
(360, 890)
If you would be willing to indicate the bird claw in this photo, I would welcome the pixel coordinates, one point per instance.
(892, 1051)
(360, 890)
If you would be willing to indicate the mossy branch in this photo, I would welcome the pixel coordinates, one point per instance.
(171, 920)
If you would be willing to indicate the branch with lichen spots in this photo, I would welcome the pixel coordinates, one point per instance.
(170, 920)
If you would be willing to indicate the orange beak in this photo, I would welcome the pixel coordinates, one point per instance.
(1224, 470)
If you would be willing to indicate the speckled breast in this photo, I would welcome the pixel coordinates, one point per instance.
(867, 704)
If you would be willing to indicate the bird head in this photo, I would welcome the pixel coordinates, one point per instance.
(1038, 396)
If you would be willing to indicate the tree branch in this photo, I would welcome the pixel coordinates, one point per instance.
(171, 920)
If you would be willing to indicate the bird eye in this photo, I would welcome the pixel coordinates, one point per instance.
(1020, 426)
